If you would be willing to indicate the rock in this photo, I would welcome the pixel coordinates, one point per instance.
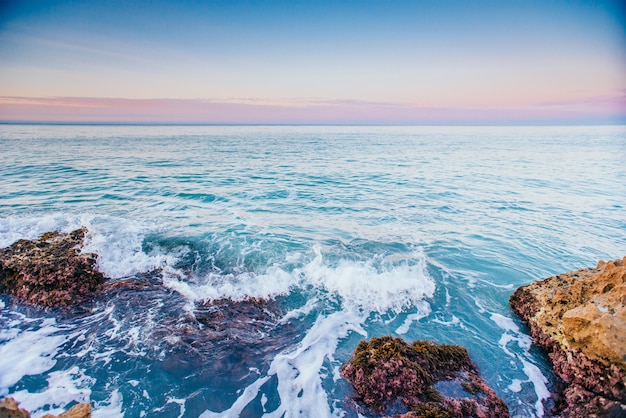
(81, 410)
(50, 271)
(579, 318)
(9, 408)
(420, 379)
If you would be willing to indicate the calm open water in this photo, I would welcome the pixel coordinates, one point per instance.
(347, 232)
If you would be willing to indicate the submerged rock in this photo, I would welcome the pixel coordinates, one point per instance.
(423, 379)
(50, 271)
(579, 318)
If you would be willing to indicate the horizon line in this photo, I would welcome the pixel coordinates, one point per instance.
(443, 124)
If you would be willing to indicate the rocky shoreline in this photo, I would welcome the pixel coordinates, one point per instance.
(579, 319)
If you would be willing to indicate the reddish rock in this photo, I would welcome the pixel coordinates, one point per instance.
(420, 379)
(50, 271)
(579, 318)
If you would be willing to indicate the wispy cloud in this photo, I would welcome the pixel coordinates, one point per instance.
(296, 111)
(616, 99)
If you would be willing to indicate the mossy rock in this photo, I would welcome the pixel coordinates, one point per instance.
(386, 371)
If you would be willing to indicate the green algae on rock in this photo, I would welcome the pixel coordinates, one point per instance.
(50, 271)
(391, 376)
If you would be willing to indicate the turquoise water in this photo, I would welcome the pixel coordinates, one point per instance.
(348, 232)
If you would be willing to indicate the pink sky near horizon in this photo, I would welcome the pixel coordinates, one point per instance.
(111, 110)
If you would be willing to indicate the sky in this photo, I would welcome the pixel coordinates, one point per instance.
(313, 62)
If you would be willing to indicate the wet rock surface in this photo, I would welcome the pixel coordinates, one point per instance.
(579, 318)
(421, 379)
(50, 271)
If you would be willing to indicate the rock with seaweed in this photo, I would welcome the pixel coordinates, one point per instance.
(579, 319)
(421, 379)
(50, 271)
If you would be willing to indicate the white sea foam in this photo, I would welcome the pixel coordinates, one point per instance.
(64, 387)
(299, 370)
(361, 285)
(117, 241)
(358, 284)
(110, 408)
(28, 353)
(15, 228)
(423, 310)
(515, 386)
(534, 374)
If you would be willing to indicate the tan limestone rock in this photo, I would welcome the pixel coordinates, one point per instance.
(579, 318)
(9, 408)
(82, 410)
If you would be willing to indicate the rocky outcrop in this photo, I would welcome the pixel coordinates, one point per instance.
(50, 271)
(420, 379)
(9, 408)
(579, 318)
(81, 410)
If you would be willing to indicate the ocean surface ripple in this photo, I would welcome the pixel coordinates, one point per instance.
(346, 233)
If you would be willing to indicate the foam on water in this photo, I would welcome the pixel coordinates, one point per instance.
(64, 387)
(28, 352)
(112, 407)
(300, 369)
(358, 284)
(325, 221)
(423, 310)
(534, 374)
(117, 241)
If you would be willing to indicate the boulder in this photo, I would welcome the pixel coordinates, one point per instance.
(50, 271)
(392, 377)
(10, 408)
(81, 410)
(579, 318)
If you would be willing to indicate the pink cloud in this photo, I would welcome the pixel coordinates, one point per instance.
(302, 111)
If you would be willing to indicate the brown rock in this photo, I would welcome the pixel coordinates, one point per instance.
(9, 408)
(50, 271)
(579, 318)
(81, 410)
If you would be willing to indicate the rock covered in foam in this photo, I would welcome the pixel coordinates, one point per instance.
(50, 271)
(579, 318)
(420, 379)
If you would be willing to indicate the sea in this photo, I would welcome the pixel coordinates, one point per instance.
(271, 251)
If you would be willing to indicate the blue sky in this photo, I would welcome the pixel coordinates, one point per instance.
(313, 62)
